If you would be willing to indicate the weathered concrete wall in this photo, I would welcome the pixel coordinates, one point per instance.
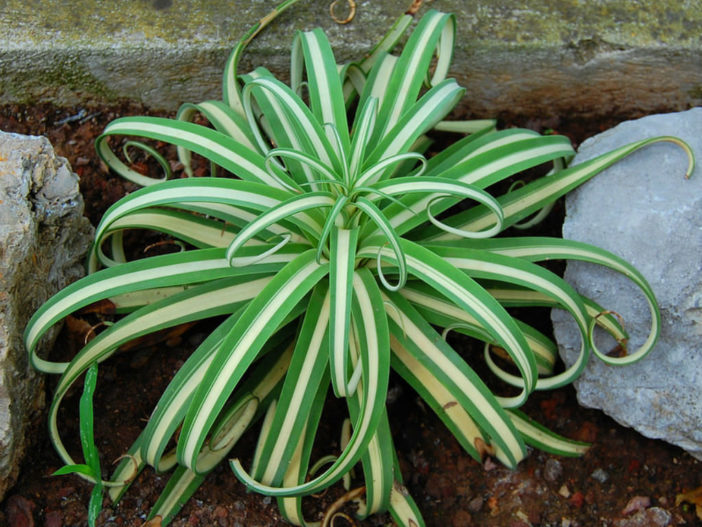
(532, 57)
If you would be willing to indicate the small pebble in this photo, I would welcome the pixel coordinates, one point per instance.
(553, 470)
(564, 491)
(489, 465)
(577, 499)
(600, 475)
(636, 504)
(475, 504)
(461, 518)
(652, 517)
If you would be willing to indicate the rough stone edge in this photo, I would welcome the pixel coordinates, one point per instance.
(56, 278)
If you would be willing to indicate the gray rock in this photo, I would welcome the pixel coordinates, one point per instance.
(653, 517)
(553, 470)
(643, 210)
(43, 238)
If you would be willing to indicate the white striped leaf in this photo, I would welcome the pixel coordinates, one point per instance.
(489, 265)
(416, 120)
(159, 271)
(504, 157)
(184, 482)
(523, 202)
(211, 144)
(304, 378)
(241, 347)
(430, 359)
(440, 312)
(544, 439)
(294, 208)
(369, 316)
(203, 301)
(323, 80)
(409, 73)
(341, 265)
(470, 296)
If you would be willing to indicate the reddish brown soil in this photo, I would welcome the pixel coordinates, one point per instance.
(449, 487)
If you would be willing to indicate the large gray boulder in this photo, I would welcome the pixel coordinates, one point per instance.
(643, 210)
(43, 238)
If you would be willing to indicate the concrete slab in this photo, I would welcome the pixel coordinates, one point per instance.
(531, 57)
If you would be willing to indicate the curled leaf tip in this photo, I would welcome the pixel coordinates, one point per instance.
(349, 17)
(333, 509)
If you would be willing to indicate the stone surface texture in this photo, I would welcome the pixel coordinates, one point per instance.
(530, 57)
(43, 238)
(643, 210)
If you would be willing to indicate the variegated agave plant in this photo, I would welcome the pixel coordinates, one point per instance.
(330, 257)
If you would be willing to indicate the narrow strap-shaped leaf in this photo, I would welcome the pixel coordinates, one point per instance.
(362, 130)
(379, 220)
(223, 118)
(180, 487)
(474, 145)
(376, 171)
(309, 161)
(203, 301)
(419, 118)
(231, 90)
(470, 296)
(302, 124)
(437, 371)
(342, 262)
(207, 190)
(293, 208)
(404, 186)
(388, 42)
(540, 249)
(369, 317)
(488, 265)
(377, 462)
(297, 471)
(528, 199)
(170, 410)
(520, 297)
(190, 267)
(471, 126)
(439, 311)
(128, 468)
(241, 346)
(184, 482)
(403, 508)
(376, 83)
(411, 69)
(195, 230)
(211, 144)
(544, 439)
(87, 438)
(489, 160)
(240, 217)
(323, 80)
(303, 380)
